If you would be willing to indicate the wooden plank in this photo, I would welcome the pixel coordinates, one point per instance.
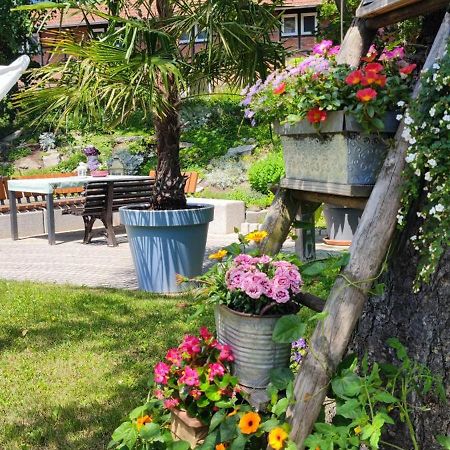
(377, 7)
(340, 200)
(305, 245)
(417, 9)
(348, 296)
(347, 190)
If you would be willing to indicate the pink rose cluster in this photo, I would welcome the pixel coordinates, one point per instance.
(196, 361)
(263, 277)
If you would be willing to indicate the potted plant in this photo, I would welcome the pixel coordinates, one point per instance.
(139, 67)
(251, 292)
(333, 119)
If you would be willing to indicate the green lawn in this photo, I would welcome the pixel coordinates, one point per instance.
(74, 361)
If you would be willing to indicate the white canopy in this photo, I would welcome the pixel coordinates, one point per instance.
(9, 75)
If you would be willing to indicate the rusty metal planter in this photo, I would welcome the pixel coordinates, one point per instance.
(186, 428)
(250, 338)
(340, 153)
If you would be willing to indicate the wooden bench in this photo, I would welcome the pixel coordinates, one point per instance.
(29, 201)
(191, 181)
(103, 197)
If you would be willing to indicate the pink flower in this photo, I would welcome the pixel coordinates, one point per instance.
(281, 296)
(264, 259)
(205, 334)
(281, 282)
(334, 50)
(171, 403)
(195, 394)
(225, 352)
(190, 345)
(159, 394)
(161, 372)
(397, 52)
(189, 377)
(322, 47)
(173, 356)
(284, 264)
(215, 369)
(234, 278)
(243, 258)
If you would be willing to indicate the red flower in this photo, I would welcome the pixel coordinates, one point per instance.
(408, 69)
(354, 77)
(371, 54)
(381, 80)
(316, 115)
(369, 78)
(280, 89)
(365, 95)
(374, 67)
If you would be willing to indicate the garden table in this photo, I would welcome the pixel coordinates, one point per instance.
(48, 186)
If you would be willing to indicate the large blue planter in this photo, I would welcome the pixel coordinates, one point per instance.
(166, 243)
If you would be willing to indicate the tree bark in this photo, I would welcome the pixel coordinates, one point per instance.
(422, 323)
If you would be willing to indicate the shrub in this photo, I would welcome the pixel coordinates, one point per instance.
(226, 172)
(265, 173)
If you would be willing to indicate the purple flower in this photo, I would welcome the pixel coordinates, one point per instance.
(93, 163)
(300, 343)
(322, 47)
(243, 259)
(397, 52)
(90, 150)
(248, 113)
(334, 50)
(281, 295)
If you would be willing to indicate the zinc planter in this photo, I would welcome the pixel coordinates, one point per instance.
(341, 224)
(166, 243)
(250, 337)
(186, 428)
(340, 153)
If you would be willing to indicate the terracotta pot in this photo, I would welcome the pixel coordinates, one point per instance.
(187, 428)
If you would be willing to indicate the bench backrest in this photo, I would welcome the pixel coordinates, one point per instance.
(3, 190)
(191, 181)
(127, 192)
(95, 195)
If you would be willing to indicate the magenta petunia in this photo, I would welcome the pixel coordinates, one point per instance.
(189, 377)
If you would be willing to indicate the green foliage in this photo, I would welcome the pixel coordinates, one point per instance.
(368, 401)
(329, 18)
(427, 131)
(266, 173)
(250, 197)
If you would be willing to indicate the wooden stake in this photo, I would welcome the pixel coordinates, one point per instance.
(349, 293)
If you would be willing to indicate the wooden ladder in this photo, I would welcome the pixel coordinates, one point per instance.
(375, 231)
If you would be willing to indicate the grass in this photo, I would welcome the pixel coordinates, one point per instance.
(74, 361)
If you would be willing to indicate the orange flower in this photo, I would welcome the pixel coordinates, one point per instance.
(369, 78)
(381, 80)
(142, 421)
(277, 437)
(221, 446)
(316, 115)
(354, 77)
(218, 255)
(374, 67)
(408, 69)
(365, 95)
(357, 430)
(249, 423)
(280, 89)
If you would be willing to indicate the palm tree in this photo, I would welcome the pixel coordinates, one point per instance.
(139, 65)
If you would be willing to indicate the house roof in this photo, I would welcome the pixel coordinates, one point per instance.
(74, 18)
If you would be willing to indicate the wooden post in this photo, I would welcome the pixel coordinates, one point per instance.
(348, 296)
(278, 221)
(305, 245)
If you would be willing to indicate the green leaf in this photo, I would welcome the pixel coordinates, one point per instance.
(270, 424)
(288, 329)
(378, 123)
(178, 445)
(291, 446)
(216, 419)
(314, 269)
(126, 433)
(351, 409)
(399, 347)
(203, 402)
(213, 393)
(280, 377)
(149, 431)
(280, 407)
(239, 443)
(444, 441)
(318, 316)
(228, 429)
(348, 385)
(138, 412)
(385, 397)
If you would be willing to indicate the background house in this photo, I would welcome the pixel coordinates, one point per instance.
(297, 30)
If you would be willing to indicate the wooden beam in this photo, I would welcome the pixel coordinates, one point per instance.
(315, 197)
(422, 8)
(377, 7)
(348, 296)
(312, 302)
(348, 190)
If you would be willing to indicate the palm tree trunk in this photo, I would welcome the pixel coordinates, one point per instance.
(169, 185)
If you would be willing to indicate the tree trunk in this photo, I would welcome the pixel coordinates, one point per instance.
(422, 323)
(169, 185)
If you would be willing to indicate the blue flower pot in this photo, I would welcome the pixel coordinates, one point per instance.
(166, 243)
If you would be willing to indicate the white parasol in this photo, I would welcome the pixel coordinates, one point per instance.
(9, 75)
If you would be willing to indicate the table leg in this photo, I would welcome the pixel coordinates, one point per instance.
(50, 219)
(13, 215)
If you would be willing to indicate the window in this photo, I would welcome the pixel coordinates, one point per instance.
(289, 25)
(308, 23)
(200, 35)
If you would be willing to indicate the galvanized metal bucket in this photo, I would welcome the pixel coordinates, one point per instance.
(250, 338)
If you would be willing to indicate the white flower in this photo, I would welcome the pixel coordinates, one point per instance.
(424, 125)
(399, 219)
(432, 111)
(428, 176)
(399, 117)
(406, 134)
(439, 207)
(410, 157)
(435, 130)
(439, 188)
(446, 118)
(432, 163)
(436, 66)
(435, 77)
(408, 120)
(413, 238)
(448, 126)
(412, 141)
(417, 172)
(401, 103)
(433, 211)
